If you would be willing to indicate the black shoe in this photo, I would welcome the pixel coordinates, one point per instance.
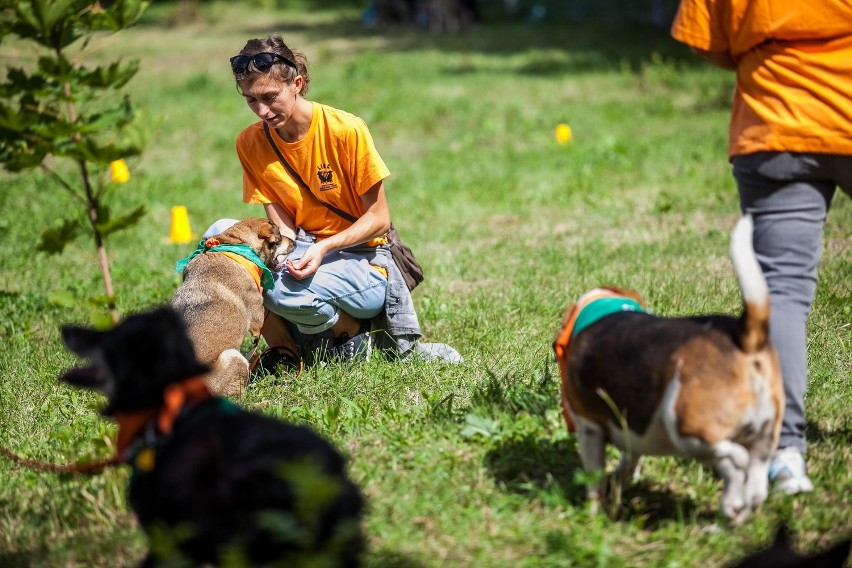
(324, 346)
(276, 361)
(355, 348)
(317, 347)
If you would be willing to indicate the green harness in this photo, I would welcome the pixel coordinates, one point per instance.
(603, 307)
(266, 279)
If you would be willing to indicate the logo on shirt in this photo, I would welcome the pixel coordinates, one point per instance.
(326, 177)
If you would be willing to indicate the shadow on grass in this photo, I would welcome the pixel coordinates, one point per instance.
(391, 559)
(547, 470)
(21, 559)
(535, 466)
(653, 505)
(566, 46)
(816, 434)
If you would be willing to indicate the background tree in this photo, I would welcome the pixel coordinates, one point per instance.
(58, 108)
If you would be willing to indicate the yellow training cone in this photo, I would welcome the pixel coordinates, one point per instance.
(180, 231)
(563, 134)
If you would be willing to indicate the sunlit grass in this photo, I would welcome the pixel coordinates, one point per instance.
(468, 465)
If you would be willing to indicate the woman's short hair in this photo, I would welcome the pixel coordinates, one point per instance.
(295, 62)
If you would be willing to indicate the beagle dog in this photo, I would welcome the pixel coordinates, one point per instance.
(708, 386)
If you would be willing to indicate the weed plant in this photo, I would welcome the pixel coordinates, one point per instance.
(464, 465)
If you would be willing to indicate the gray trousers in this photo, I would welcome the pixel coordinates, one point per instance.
(789, 195)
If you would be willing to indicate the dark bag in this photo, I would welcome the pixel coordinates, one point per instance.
(402, 255)
(411, 270)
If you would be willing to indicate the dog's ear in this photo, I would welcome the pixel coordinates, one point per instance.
(82, 341)
(271, 235)
(86, 343)
(269, 232)
(273, 245)
(86, 377)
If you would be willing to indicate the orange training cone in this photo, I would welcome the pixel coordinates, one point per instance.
(180, 231)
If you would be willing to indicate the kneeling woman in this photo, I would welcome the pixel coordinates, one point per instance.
(319, 177)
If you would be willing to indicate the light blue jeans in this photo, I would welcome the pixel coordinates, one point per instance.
(344, 281)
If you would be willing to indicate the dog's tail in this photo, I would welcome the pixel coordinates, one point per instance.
(754, 323)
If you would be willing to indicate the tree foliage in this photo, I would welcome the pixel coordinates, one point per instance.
(53, 106)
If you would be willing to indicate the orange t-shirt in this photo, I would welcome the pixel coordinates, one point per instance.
(794, 69)
(336, 158)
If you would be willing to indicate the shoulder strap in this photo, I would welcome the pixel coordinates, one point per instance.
(300, 182)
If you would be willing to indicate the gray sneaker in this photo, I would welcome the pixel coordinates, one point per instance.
(433, 352)
(787, 472)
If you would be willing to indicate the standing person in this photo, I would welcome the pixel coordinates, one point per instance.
(791, 147)
(341, 274)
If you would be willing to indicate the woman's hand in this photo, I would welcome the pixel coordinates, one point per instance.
(309, 263)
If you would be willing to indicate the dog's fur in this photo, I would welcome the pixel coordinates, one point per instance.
(222, 477)
(220, 302)
(708, 387)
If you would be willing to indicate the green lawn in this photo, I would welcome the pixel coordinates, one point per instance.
(467, 465)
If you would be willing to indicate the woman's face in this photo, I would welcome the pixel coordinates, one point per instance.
(272, 101)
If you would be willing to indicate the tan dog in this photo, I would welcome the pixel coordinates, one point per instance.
(707, 387)
(221, 298)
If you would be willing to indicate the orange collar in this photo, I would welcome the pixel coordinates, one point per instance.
(175, 397)
(560, 346)
(569, 320)
(254, 270)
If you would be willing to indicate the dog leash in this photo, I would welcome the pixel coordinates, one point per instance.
(88, 468)
(291, 351)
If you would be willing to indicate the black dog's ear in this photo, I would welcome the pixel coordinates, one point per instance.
(80, 340)
(84, 342)
(85, 377)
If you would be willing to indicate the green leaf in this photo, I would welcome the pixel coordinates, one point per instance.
(110, 226)
(476, 425)
(101, 300)
(26, 18)
(56, 67)
(18, 82)
(51, 23)
(53, 240)
(113, 76)
(51, 12)
(63, 298)
(47, 18)
(17, 155)
(92, 150)
(121, 15)
(102, 320)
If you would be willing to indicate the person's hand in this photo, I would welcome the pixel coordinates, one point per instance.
(307, 265)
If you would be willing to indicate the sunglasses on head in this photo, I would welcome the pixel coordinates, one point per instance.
(262, 62)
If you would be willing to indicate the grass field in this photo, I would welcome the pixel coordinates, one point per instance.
(462, 466)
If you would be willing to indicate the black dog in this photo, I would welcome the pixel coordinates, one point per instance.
(780, 555)
(210, 479)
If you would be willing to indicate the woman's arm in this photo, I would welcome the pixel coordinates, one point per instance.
(375, 222)
(276, 214)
